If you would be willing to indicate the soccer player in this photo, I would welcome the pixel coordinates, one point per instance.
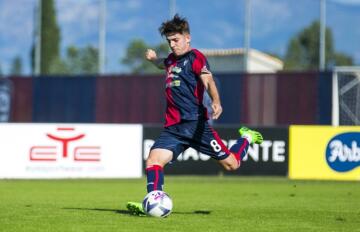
(187, 77)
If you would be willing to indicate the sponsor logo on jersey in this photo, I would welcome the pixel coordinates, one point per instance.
(172, 76)
(175, 83)
(343, 152)
(176, 70)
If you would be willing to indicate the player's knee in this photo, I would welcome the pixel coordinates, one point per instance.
(227, 167)
(152, 160)
(230, 165)
(159, 157)
(233, 166)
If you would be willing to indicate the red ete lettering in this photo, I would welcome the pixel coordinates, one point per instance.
(65, 142)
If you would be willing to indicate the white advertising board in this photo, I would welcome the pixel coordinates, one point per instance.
(29, 150)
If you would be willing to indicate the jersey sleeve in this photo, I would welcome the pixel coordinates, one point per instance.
(169, 60)
(200, 64)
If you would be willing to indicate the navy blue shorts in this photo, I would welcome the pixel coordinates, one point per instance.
(196, 134)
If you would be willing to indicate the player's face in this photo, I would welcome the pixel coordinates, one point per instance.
(179, 43)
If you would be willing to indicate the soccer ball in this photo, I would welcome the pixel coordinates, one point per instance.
(157, 204)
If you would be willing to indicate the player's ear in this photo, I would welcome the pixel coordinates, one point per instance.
(187, 37)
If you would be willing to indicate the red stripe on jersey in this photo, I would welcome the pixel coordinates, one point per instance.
(197, 66)
(172, 114)
(199, 91)
(199, 62)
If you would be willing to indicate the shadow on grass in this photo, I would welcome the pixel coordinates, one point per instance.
(203, 212)
(119, 211)
(126, 212)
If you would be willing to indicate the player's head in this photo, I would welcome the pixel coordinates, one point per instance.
(177, 33)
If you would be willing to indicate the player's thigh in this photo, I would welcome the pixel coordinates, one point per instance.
(159, 156)
(169, 142)
(211, 144)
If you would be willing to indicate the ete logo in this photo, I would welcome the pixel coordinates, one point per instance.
(343, 152)
(64, 137)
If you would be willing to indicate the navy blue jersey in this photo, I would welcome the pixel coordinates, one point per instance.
(184, 88)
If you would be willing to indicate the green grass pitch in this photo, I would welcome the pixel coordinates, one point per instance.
(200, 204)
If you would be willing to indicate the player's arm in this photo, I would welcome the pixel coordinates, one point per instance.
(151, 56)
(209, 83)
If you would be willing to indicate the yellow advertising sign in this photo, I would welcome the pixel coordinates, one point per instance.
(324, 152)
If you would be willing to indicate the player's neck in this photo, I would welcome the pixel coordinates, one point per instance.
(183, 54)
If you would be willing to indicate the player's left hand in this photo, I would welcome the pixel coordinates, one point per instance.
(217, 110)
(150, 55)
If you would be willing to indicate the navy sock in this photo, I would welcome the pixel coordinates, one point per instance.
(240, 148)
(155, 178)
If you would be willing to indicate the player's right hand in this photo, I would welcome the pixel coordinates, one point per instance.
(150, 55)
(217, 110)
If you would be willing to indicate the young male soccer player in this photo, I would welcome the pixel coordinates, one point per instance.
(187, 77)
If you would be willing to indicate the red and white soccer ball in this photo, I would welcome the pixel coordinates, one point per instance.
(157, 204)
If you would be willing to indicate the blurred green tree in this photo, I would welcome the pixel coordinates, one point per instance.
(78, 61)
(135, 57)
(303, 50)
(16, 66)
(342, 59)
(50, 38)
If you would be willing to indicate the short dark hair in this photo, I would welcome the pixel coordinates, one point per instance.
(175, 25)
